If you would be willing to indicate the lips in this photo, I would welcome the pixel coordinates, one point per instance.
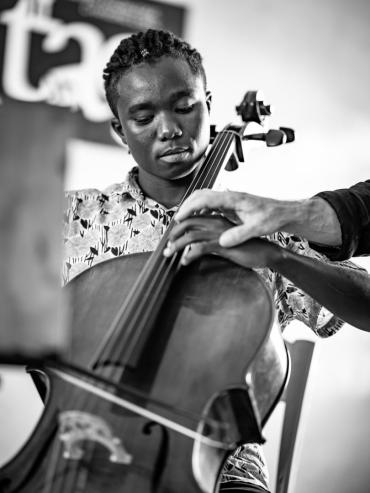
(175, 155)
(173, 151)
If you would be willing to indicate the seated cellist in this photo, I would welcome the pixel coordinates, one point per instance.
(156, 87)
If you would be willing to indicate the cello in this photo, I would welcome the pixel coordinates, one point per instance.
(165, 398)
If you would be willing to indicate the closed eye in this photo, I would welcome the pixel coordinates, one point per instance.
(143, 120)
(185, 109)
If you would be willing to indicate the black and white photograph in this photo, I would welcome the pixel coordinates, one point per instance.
(185, 246)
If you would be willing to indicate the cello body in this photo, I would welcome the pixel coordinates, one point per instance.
(171, 381)
(212, 358)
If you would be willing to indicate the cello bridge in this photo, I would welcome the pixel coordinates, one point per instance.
(76, 427)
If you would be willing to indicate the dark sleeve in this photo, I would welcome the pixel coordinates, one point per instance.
(352, 206)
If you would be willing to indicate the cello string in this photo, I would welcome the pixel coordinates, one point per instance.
(75, 473)
(154, 284)
(214, 170)
(58, 470)
(78, 472)
(226, 135)
(130, 310)
(71, 473)
(51, 473)
(142, 305)
(64, 475)
(154, 281)
(145, 303)
(76, 477)
(73, 476)
(202, 181)
(135, 303)
(141, 315)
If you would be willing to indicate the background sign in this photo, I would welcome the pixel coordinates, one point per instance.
(52, 54)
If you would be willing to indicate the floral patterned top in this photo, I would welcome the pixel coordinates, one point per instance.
(100, 225)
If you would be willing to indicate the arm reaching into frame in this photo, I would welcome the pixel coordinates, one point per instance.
(314, 219)
(343, 290)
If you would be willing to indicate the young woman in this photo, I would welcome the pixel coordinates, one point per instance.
(156, 87)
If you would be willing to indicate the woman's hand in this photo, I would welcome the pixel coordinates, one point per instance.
(201, 235)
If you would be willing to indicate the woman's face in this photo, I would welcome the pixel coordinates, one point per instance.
(163, 113)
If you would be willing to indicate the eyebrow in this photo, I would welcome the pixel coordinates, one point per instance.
(139, 107)
(172, 99)
(181, 94)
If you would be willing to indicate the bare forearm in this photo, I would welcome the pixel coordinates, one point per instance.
(314, 219)
(343, 291)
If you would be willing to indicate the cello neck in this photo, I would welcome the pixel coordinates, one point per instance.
(224, 148)
(138, 312)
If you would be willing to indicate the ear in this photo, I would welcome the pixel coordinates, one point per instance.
(208, 100)
(117, 130)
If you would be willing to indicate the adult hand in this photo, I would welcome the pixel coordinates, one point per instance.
(201, 233)
(342, 290)
(257, 216)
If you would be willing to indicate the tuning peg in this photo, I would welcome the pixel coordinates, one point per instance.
(265, 109)
(212, 133)
(275, 138)
(289, 132)
(252, 108)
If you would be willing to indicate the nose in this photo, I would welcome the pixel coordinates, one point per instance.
(168, 127)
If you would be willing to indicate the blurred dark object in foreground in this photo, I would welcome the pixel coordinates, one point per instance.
(32, 312)
(52, 53)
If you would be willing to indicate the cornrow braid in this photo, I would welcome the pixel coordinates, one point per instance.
(146, 47)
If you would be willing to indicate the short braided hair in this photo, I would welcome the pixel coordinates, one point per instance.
(148, 46)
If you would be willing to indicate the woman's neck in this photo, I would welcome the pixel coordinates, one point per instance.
(168, 193)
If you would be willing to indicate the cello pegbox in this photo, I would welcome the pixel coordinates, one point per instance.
(252, 109)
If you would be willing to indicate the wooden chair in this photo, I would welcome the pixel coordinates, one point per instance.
(300, 355)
